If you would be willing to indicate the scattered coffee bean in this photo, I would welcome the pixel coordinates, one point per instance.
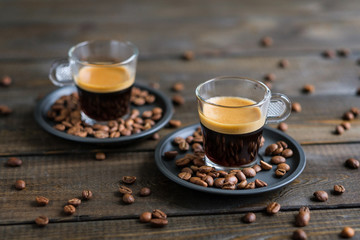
(170, 154)
(343, 52)
(157, 213)
(283, 166)
(123, 190)
(157, 222)
(321, 196)
(273, 208)
(352, 163)
(5, 110)
(355, 111)
(283, 127)
(265, 165)
(128, 179)
(308, 88)
(6, 81)
(270, 77)
(188, 55)
(128, 198)
(339, 189)
(339, 129)
(14, 162)
(329, 54)
(287, 153)
(347, 232)
(257, 168)
(303, 217)
(250, 217)
(174, 123)
(249, 172)
(259, 183)
(42, 221)
(284, 63)
(266, 41)
(42, 201)
(299, 234)
(277, 160)
(154, 85)
(280, 172)
(100, 156)
(178, 87)
(178, 100)
(69, 209)
(86, 194)
(145, 191)
(74, 201)
(348, 116)
(145, 217)
(20, 184)
(296, 107)
(155, 136)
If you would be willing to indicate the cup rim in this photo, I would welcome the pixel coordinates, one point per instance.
(126, 61)
(267, 94)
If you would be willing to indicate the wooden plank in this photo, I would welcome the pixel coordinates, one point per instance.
(324, 224)
(63, 177)
(43, 29)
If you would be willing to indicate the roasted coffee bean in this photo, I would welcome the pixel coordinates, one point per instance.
(188, 55)
(42, 201)
(355, 111)
(69, 209)
(352, 163)
(128, 179)
(329, 54)
(158, 222)
(259, 183)
(155, 136)
(249, 172)
(250, 185)
(284, 63)
(74, 201)
(188, 170)
(174, 123)
(145, 191)
(219, 182)
(182, 162)
(157, 213)
(321, 196)
(222, 173)
(178, 140)
(308, 88)
(343, 52)
(339, 129)
(214, 174)
(299, 234)
(231, 178)
(184, 175)
(229, 186)
(273, 208)
(347, 232)
(157, 110)
(87, 194)
(123, 189)
(100, 156)
(14, 162)
(296, 107)
(277, 159)
(20, 184)
(242, 184)
(282, 144)
(287, 153)
(178, 87)
(284, 166)
(348, 116)
(257, 168)
(339, 189)
(270, 77)
(128, 198)
(346, 125)
(270, 149)
(250, 217)
(303, 217)
(6, 81)
(184, 146)
(240, 176)
(199, 162)
(101, 134)
(283, 127)
(178, 99)
(170, 154)
(42, 221)
(145, 217)
(266, 41)
(205, 169)
(194, 168)
(209, 180)
(265, 165)
(197, 147)
(198, 181)
(5, 110)
(280, 172)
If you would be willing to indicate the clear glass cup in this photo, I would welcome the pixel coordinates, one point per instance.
(103, 72)
(233, 111)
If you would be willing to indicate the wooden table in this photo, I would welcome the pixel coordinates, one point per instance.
(224, 36)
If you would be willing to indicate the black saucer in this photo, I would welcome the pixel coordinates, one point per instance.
(45, 104)
(296, 162)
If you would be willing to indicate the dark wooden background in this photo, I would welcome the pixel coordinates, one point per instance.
(224, 36)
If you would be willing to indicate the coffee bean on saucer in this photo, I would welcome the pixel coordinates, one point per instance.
(284, 166)
(299, 234)
(277, 160)
(347, 232)
(14, 162)
(259, 183)
(273, 208)
(42, 221)
(265, 165)
(250, 185)
(249, 172)
(250, 217)
(257, 168)
(352, 163)
(170, 154)
(280, 172)
(321, 196)
(184, 176)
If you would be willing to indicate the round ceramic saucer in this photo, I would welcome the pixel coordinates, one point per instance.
(45, 104)
(296, 162)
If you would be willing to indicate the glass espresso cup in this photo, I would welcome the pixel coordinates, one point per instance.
(103, 72)
(233, 111)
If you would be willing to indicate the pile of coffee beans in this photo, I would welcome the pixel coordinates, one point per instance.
(156, 218)
(348, 116)
(65, 112)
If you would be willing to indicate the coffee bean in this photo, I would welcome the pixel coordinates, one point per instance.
(250, 217)
(158, 222)
(42, 221)
(69, 209)
(123, 190)
(147, 114)
(266, 41)
(157, 213)
(188, 170)
(287, 153)
(250, 185)
(182, 162)
(231, 178)
(265, 165)
(249, 172)
(178, 87)
(198, 181)
(219, 182)
(299, 234)
(257, 168)
(347, 232)
(346, 125)
(20, 184)
(270, 77)
(343, 52)
(86, 194)
(339, 129)
(145, 217)
(209, 180)
(155, 136)
(308, 88)
(240, 176)
(6, 81)
(283, 127)
(170, 154)
(198, 162)
(277, 159)
(348, 116)
(321, 196)
(5, 110)
(100, 156)
(273, 208)
(242, 184)
(284, 166)
(329, 54)
(128, 179)
(339, 189)
(184, 146)
(74, 201)
(174, 123)
(352, 163)
(259, 183)
(42, 201)
(296, 107)
(280, 172)
(303, 217)
(188, 55)
(178, 99)
(14, 162)
(270, 149)
(128, 198)
(355, 111)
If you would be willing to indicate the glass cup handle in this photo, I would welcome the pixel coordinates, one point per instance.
(279, 108)
(60, 73)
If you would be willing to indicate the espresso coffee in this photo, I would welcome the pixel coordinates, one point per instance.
(232, 133)
(104, 91)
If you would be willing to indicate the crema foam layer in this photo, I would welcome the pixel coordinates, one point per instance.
(103, 79)
(231, 120)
